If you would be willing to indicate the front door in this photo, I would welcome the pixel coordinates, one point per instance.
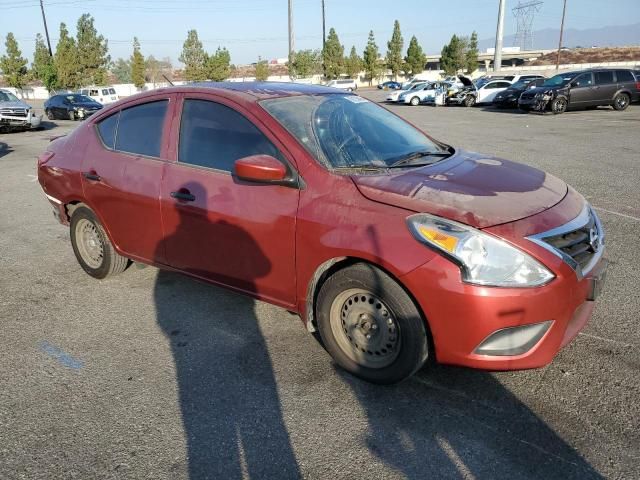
(235, 233)
(582, 94)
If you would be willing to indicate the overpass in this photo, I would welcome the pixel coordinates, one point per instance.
(509, 59)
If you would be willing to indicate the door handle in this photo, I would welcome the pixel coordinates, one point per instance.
(184, 196)
(92, 176)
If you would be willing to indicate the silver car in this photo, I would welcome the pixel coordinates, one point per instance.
(16, 114)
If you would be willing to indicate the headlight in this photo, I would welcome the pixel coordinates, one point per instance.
(483, 259)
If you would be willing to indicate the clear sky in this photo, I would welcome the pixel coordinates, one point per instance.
(252, 28)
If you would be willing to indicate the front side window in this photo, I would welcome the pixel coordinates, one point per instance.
(94, 92)
(107, 130)
(140, 128)
(112, 91)
(213, 135)
(583, 80)
(347, 131)
(603, 78)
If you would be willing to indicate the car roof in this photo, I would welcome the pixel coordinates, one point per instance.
(262, 90)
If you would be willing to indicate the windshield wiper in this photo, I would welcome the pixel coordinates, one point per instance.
(366, 168)
(410, 158)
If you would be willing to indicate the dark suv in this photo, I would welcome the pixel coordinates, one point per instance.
(582, 89)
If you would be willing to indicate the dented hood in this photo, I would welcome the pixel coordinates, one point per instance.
(469, 188)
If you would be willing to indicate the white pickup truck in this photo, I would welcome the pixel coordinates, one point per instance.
(16, 114)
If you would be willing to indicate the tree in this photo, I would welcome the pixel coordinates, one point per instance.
(394, 50)
(452, 58)
(93, 57)
(471, 55)
(262, 70)
(333, 55)
(155, 70)
(353, 63)
(219, 65)
(13, 65)
(121, 69)
(194, 58)
(306, 63)
(43, 68)
(371, 64)
(415, 59)
(65, 60)
(137, 65)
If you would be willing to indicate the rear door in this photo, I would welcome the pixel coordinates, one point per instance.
(217, 227)
(121, 174)
(491, 89)
(582, 93)
(605, 86)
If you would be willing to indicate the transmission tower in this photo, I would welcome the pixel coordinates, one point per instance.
(524, 13)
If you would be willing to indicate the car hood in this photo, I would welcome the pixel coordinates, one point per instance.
(469, 188)
(544, 89)
(87, 105)
(14, 105)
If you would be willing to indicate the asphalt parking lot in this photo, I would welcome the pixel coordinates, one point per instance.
(153, 375)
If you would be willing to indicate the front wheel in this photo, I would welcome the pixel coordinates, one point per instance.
(621, 101)
(71, 114)
(559, 105)
(92, 247)
(50, 114)
(370, 326)
(415, 101)
(469, 101)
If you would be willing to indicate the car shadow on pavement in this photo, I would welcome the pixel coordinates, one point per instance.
(228, 395)
(5, 149)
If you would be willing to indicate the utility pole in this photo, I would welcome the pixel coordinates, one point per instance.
(324, 31)
(46, 30)
(564, 10)
(497, 55)
(291, 46)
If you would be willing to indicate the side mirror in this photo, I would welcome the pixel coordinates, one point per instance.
(260, 168)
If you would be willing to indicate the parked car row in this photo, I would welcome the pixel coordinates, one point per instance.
(567, 91)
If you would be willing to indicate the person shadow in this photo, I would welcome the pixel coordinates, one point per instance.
(228, 395)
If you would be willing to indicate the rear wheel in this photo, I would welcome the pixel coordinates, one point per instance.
(414, 101)
(559, 105)
(92, 246)
(469, 101)
(370, 326)
(621, 101)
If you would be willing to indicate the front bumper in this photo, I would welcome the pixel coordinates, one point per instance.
(506, 102)
(462, 317)
(30, 121)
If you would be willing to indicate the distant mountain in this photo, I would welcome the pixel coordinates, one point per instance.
(612, 36)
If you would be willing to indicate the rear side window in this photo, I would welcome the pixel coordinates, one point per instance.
(112, 91)
(140, 128)
(105, 91)
(107, 130)
(215, 136)
(603, 77)
(624, 76)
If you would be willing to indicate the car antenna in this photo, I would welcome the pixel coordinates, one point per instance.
(165, 77)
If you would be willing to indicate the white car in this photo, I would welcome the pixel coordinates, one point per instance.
(471, 94)
(16, 115)
(103, 95)
(425, 94)
(394, 96)
(347, 84)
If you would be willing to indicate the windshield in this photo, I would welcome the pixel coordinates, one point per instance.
(347, 131)
(521, 84)
(77, 98)
(8, 97)
(558, 81)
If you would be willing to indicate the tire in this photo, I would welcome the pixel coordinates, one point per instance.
(398, 343)
(621, 101)
(524, 109)
(559, 105)
(415, 101)
(469, 101)
(92, 246)
(50, 114)
(349, 89)
(71, 115)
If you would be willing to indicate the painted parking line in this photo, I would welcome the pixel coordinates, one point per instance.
(59, 355)
(624, 215)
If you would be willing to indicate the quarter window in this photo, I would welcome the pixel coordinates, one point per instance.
(604, 77)
(140, 128)
(624, 76)
(107, 130)
(215, 136)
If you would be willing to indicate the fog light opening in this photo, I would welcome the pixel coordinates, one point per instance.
(513, 340)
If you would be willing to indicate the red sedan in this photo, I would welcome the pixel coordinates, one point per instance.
(395, 246)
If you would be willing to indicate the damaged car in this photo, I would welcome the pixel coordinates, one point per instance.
(16, 115)
(472, 94)
(582, 90)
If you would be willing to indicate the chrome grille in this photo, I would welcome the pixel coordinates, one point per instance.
(14, 112)
(579, 243)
